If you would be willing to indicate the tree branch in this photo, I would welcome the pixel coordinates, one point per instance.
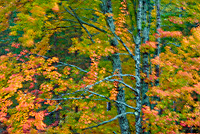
(89, 9)
(123, 84)
(116, 117)
(172, 44)
(120, 40)
(76, 16)
(112, 100)
(63, 64)
(83, 22)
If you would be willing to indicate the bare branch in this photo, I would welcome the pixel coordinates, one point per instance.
(63, 64)
(172, 44)
(123, 84)
(107, 79)
(69, 20)
(55, 109)
(112, 100)
(83, 22)
(166, 6)
(76, 16)
(89, 9)
(120, 40)
(58, 99)
(86, 89)
(116, 117)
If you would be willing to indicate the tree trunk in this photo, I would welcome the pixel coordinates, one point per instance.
(138, 124)
(145, 55)
(116, 62)
(158, 26)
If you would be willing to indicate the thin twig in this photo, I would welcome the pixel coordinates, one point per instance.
(112, 100)
(65, 64)
(83, 22)
(76, 16)
(89, 9)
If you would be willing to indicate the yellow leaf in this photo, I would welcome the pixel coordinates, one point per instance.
(55, 8)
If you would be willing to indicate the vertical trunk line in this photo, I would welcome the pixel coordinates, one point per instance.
(116, 62)
(157, 53)
(158, 26)
(145, 58)
(138, 124)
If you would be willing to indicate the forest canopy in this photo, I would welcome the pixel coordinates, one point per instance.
(101, 66)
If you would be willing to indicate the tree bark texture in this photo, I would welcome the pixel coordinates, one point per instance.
(138, 124)
(116, 62)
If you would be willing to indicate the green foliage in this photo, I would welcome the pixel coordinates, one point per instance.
(57, 60)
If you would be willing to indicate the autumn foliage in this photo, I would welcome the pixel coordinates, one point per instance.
(65, 68)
